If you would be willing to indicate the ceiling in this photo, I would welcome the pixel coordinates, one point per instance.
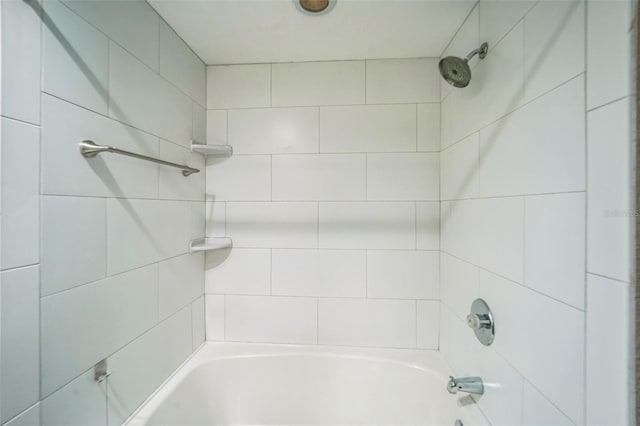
(259, 31)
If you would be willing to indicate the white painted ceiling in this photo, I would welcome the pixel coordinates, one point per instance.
(257, 31)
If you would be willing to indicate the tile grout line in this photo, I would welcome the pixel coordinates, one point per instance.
(365, 82)
(417, 128)
(319, 132)
(41, 203)
(108, 82)
(310, 297)
(416, 334)
(586, 213)
(366, 176)
(366, 274)
(524, 240)
(20, 121)
(271, 272)
(333, 106)
(617, 280)
(224, 318)
(106, 240)
(415, 225)
(318, 225)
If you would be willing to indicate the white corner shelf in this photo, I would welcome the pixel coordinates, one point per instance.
(212, 150)
(206, 244)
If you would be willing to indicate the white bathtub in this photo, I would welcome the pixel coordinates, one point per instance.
(254, 384)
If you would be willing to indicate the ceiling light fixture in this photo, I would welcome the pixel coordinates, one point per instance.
(315, 7)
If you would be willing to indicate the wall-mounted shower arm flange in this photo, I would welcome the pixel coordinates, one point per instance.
(100, 371)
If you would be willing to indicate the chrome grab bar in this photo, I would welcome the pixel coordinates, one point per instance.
(89, 149)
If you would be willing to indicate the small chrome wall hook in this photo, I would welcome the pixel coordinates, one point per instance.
(100, 371)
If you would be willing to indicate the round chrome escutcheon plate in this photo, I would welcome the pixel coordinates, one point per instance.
(481, 321)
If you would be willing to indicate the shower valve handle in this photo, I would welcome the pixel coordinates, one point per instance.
(478, 321)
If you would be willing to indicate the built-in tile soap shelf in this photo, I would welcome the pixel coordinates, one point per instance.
(212, 150)
(206, 244)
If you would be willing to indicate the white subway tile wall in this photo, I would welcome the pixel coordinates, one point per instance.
(402, 81)
(609, 212)
(74, 250)
(332, 201)
(400, 274)
(538, 410)
(609, 203)
(327, 177)
(367, 322)
(239, 86)
(197, 323)
(227, 271)
(139, 368)
(403, 176)
(535, 190)
(181, 282)
(554, 42)
(131, 87)
(273, 130)
(367, 225)
(216, 127)
(21, 81)
(609, 41)
(428, 324)
(20, 352)
(95, 259)
(20, 193)
(609, 323)
(368, 128)
(29, 417)
(328, 273)
(87, 398)
(214, 317)
(75, 58)
(318, 83)
(428, 116)
(556, 269)
(135, 28)
(271, 319)
(121, 307)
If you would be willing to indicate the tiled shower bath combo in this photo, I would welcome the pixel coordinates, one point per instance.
(375, 213)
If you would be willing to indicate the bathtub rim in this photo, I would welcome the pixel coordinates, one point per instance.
(424, 360)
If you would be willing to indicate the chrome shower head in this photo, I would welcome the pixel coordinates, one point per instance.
(456, 70)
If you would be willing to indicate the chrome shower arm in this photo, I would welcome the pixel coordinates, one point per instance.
(472, 54)
(482, 51)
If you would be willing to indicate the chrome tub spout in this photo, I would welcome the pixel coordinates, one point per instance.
(472, 385)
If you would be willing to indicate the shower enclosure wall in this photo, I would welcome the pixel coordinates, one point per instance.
(369, 204)
(95, 252)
